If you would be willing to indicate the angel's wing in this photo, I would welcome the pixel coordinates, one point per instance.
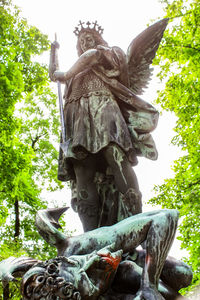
(13, 267)
(140, 54)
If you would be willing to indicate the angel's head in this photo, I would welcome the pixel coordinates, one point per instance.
(88, 40)
(89, 37)
(50, 280)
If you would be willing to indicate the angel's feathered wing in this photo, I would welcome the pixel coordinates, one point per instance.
(140, 55)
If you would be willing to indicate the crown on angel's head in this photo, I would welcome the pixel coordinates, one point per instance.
(90, 27)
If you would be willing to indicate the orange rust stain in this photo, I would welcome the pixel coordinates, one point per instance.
(112, 261)
(112, 264)
(148, 260)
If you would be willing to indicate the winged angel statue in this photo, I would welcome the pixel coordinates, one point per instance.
(107, 125)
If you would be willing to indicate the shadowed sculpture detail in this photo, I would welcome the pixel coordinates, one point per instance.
(104, 263)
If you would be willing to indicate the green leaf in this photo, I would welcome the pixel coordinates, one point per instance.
(179, 60)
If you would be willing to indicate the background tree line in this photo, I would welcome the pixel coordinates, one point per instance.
(29, 126)
(179, 60)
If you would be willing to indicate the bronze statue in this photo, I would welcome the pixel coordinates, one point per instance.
(106, 125)
(104, 263)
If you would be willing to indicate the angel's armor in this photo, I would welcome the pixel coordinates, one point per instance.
(101, 112)
(96, 117)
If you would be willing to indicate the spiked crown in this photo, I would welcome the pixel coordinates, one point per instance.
(89, 28)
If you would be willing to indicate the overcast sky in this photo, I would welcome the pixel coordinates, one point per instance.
(122, 21)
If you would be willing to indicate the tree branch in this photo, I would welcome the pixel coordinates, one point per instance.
(6, 292)
(36, 139)
(180, 46)
(181, 15)
(17, 220)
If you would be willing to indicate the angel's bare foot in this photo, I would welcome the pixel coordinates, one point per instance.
(148, 293)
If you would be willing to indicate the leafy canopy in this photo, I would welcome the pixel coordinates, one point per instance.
(179, 61)
(29, 127)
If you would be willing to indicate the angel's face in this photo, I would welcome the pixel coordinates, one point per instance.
(87, 41)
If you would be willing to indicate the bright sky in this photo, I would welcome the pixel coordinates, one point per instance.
(122, 21)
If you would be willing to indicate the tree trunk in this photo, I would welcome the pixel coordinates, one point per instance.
(6, 292)
(17, 220)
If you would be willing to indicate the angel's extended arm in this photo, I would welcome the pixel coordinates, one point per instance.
(87, 60)
(53, 63)
(109, 62)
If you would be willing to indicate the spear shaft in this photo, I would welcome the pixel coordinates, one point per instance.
(64, 144)
(62, 120)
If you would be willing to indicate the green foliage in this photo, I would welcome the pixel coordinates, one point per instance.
(29, 127)
(179, 60)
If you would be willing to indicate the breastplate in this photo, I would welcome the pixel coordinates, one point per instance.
(85, 84)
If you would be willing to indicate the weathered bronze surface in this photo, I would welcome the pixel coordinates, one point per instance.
(107, 125)
(104, 263)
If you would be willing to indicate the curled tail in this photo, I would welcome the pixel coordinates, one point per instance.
(47, 225)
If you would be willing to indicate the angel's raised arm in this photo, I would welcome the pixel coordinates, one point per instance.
(87, 60)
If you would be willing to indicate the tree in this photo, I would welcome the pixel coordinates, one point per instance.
(179, 61)
(29, 127)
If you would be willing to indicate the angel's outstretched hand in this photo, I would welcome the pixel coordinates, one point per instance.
(55, 45)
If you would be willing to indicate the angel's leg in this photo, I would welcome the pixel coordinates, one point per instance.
(125, 178)
(87, 195)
